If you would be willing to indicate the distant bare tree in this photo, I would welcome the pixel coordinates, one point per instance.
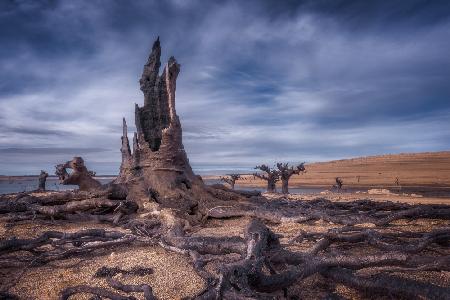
(271, 176)
(286, 172)
(231, 179)
(397, 183)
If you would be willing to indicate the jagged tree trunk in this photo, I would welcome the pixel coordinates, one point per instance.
(158, 164)
(125, 150)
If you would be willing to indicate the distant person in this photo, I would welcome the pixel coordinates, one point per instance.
(42, 179)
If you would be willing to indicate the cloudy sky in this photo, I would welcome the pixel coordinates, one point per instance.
(260, 81)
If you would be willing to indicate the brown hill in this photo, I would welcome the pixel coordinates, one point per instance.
(412, 169)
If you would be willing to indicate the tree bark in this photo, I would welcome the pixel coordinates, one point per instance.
(285, 186)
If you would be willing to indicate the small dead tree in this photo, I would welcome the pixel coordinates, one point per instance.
(42, 179)
(286, 172)
(339, 183)
(271, 176)
(397, 183)
(231, 179)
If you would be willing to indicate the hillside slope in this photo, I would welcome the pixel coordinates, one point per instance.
(412, 169)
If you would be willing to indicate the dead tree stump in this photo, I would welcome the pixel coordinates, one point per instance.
(42, 179)
(157, 168)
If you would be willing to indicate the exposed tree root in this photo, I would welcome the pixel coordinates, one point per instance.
(111, 272)
(349, 214)
(97, 291)
(129, 288)
(248, 277)
(54, 245)
(388, 285)
(83, 205)
(378, 240)
(256, 266)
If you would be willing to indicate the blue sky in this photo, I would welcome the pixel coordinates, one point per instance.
(260, 81)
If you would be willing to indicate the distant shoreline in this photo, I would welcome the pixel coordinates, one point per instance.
(24, 177)
(426, 170)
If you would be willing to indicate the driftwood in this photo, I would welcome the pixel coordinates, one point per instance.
(80, 175)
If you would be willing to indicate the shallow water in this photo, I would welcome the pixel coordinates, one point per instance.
(303, 190)
(29, 184)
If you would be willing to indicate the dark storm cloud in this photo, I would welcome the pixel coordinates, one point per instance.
(365, 14)
(38, 131)
(260, 80)
(50, 151)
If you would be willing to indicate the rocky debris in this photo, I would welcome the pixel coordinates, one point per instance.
(380, 192)
(80, 175)
(390, 193)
